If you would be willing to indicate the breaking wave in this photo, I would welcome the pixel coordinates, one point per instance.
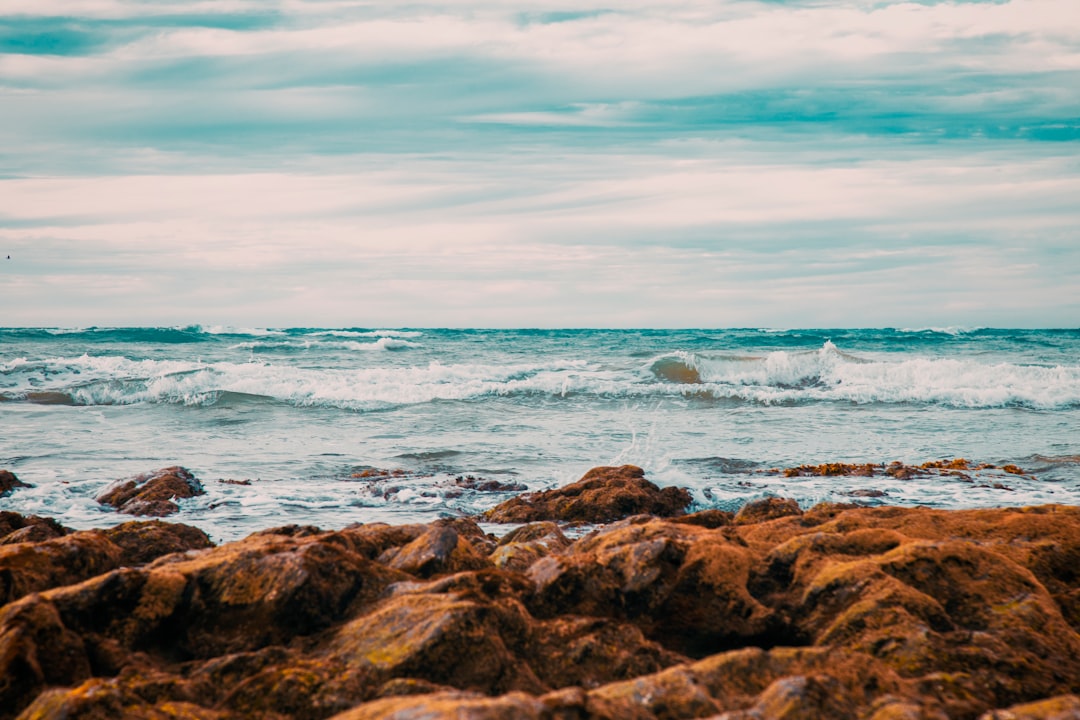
(831, 374)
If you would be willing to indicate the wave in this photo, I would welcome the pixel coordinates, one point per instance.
(367, 333)
(383, 343)
(829, 374)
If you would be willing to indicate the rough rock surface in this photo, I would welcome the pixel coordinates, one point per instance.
(9, 483)
(604, 494)
(153, 493)
(837, 611)
(22, 528)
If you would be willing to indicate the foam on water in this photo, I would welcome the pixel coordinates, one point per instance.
(298, 412)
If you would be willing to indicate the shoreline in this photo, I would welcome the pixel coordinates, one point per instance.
(838, 610)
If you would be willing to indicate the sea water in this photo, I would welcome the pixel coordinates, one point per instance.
(334, 426)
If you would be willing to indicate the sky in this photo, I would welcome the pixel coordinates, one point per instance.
(486, 163)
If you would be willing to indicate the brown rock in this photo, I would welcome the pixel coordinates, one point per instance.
(152, 493)
(438, 550)
(1062, 707)
(36, 651)
(9, 483)
(683, 585)
(260, 591)
(706, 518)
(440, 639)
(603, 494)
(759, 511)
(461, 706)
(520, 548)
(32, 567)
(145, 695)
(901, 613)
(143, 541)
(15, 528)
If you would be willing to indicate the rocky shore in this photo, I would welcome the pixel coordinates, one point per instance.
(604, 599)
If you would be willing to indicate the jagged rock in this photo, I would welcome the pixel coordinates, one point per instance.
(36, 651)
(153, 493)
(32, 567)
(69, 559)
(440, 639)
(143, 541)
(439, 550)
(16, 528)
(520, 548)
(9, 483)
(765, 509)
(603, 494)
(1062, 707)
(682, 583)
(461, 706)
(841, 612)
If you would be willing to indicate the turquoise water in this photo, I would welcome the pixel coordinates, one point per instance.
(298, 413)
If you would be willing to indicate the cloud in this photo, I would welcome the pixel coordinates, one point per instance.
(494, 162)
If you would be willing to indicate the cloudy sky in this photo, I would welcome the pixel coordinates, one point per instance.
(480, 163)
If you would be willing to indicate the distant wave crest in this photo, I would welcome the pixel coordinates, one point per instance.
(827, 374)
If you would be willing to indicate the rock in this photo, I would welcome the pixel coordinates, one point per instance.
(9, 483)
(706, 518)
(440, 639)
(460, 706)
(1062, 707)
(260, 591)
(842, 612)
(36, 651)
(682, 584)
(143, 541)
(603, 494)
(33, 567)
(153, 493)
(438, 550)
(520, 548)
(766, 509)
(15, 528)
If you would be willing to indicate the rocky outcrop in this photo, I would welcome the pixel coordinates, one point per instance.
(16, 528)
(153, 493)
(9, 483)
(836, 611)
(604, 494)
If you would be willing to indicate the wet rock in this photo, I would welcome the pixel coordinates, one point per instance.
(603, 494)
(33, 567)
(261, 591)
(440, 639)
(15, 528)
(520, 548)
(680, 583)
(840, 612)
(9, 483)
(36, 651)
(706, 518)
(153, 493)
(1063, 707)
(438, 550)
(145, 695)
(589, 652)
(766, 509)
(461, 706)
(143, 541)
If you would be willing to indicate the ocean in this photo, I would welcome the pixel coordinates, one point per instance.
(334, 426)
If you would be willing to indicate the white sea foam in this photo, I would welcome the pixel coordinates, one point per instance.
(833, 375)
(367, 333)
(230, 330)
(383, 343)
(827, 374)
